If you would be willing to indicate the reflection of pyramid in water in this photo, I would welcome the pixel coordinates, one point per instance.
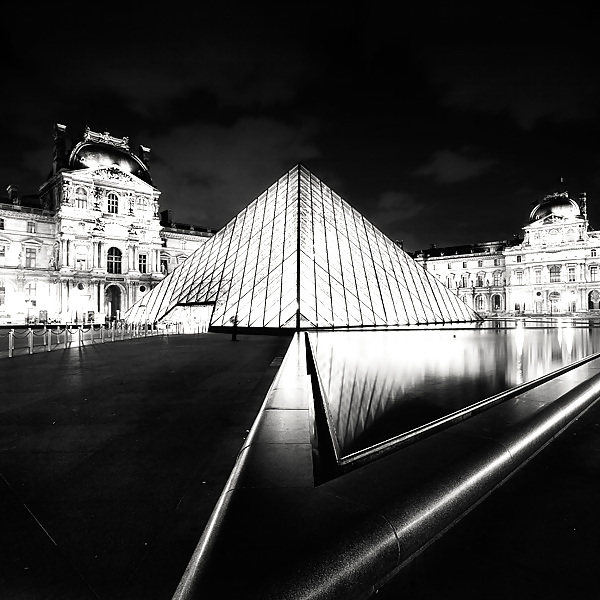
(301, 257)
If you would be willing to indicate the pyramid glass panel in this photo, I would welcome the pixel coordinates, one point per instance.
(299, 256)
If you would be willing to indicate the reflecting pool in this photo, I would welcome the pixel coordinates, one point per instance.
(381, 384)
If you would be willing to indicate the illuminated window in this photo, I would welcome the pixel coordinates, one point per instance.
(81, 197)
(554, 274)
(30, 227)
(113, 260)
(571, 273)
(30, 255)
(113, 203)
(143, 263)
(593, 273)
(538, 277)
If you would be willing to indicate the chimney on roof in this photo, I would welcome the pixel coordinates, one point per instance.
(166, 218)
(144, 155)
(13, 194)
(60, 148)
(583, 205)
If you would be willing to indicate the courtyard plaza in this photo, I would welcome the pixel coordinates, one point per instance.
(114, 455)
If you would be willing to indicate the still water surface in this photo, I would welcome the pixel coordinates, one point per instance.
(381, 384)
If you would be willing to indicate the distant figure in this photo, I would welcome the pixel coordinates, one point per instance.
(234, 322)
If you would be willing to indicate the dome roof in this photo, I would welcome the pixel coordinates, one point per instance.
(95, 154)
(559, 205)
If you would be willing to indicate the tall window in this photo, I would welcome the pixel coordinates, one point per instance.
(113, 260)
(2, 255)
(593, 273)
(554, 274)
(593, 253)
(113, 203)
(538, 277)
(464, 265)
(143, 263)
(30, 258)
(519, 277)
(479, 281)
(81, 197)
(464, 281)
(519, 258)
(2, 293)
(30, 227)
(480, 263)
(1, 223)
(497, 279)
(571, 273)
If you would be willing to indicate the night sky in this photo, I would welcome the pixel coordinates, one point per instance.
(439, 125)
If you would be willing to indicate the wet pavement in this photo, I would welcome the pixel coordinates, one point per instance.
(112, 458)
(536, 536)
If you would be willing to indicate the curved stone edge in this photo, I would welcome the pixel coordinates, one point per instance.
(359, 560)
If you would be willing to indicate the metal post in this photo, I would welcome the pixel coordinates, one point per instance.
(102, 328)
(66, 333)
(30, 340)
(49, 340)
(112, 333)
(11, 342)
(80, 330)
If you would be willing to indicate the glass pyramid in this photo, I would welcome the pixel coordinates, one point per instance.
(297, 257)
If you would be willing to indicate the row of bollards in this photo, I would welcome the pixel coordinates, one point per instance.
(106, 333)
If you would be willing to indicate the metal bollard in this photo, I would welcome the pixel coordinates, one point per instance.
(102, 327)
(80, 334)
(112, 334)
(11, 342)
(30, 340)
(66, 330)
(92, 334)
(49, 340)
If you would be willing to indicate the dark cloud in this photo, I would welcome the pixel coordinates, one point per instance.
(447, 166)
(210, 172)
(413, 116)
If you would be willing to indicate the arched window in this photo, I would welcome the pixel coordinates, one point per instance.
(554, 274)
(113, 203)
(113, 260)
(479, 303)
(81, 197)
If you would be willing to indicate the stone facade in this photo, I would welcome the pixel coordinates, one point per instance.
(92, 242)
(552, 269)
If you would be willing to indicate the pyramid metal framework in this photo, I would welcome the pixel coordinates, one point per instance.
(301, 257)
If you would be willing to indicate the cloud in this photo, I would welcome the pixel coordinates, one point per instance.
(208, 173)
(393, 210)
(524, 80)
(447, 166)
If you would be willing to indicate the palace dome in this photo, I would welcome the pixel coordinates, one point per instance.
(559, 205)
(96, 154)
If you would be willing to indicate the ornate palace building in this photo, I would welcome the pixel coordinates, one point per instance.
(551, 269)
(93, 240)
